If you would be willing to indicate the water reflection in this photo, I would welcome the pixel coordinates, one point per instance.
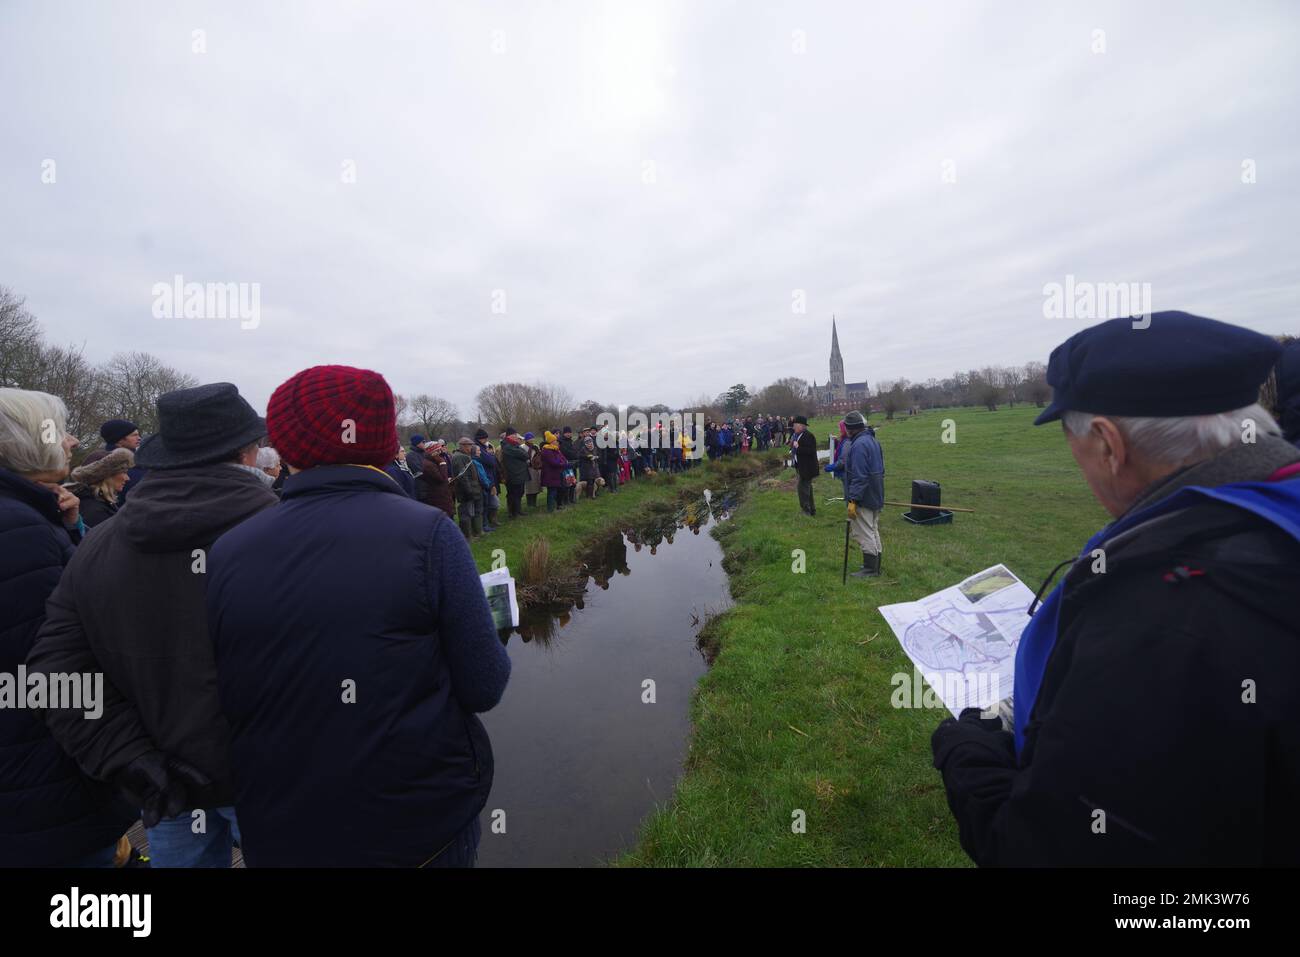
(608, 558)
(581, 756)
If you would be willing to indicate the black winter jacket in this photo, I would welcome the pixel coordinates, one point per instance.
(1166, 730)
(805, 455)
(94, 510)
(130, 604)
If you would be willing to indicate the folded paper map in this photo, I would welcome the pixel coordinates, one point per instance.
(963, 639)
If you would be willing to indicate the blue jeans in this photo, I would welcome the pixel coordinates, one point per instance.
(173, 843)
(463, 850)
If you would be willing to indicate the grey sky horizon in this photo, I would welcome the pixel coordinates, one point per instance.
(650, 185)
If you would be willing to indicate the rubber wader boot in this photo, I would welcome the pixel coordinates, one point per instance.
(476, 523)
(870, 567)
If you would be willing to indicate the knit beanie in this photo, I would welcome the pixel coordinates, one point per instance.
(333, 415)
(115, 430)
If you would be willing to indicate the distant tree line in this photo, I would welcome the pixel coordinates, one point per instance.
(125, 387)
(989, 388)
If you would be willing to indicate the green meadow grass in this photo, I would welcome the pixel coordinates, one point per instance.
(795, 713)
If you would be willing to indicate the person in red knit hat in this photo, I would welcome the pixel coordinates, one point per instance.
(359, 612)
(333, 415)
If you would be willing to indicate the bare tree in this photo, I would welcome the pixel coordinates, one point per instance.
(67, 373)
(704, 404)
(986, 387)
(522, 406)
(788, 396)
(589, 411)
(892, 396)
(553, 403)
(20, 341)
(400, 407)
(432, 413)
(132, 383)
(1013, 381)
(1036, 388)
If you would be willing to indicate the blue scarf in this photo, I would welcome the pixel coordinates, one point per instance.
(1277, 502)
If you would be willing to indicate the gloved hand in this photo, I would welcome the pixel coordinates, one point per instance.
(830, 467)
(158, 785)
(853, 509)
(985, 736)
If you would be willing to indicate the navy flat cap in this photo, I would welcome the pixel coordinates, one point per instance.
(1179, 365)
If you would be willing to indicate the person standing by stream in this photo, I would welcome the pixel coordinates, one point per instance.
(486, 457)
(373, 754)
(803, 448)
(467, 489)
(515, 459)
(588, 461)
(860, 464)
(533, 487)
(554, 464)
(568, 446)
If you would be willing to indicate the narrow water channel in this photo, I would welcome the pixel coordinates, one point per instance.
(581, 757)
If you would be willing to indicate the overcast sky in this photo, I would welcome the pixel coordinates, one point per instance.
(647, 184)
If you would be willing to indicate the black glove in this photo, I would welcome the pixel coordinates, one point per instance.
(158, 785)
(970, 728)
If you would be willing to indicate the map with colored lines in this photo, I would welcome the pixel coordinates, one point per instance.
(963, 639)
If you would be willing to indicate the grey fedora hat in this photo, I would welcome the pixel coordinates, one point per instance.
(200, 425)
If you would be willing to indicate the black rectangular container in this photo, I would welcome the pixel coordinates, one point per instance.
(924, 493)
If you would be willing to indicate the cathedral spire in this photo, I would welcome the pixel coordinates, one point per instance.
(837, 361)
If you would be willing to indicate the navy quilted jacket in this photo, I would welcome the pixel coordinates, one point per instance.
(50, 813)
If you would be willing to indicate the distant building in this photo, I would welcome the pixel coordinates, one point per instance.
(838, 395)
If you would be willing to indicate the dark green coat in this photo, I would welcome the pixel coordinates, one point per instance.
(516, 459)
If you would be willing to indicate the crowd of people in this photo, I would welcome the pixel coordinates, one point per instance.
(467, 482)
(276, 610)
(261, 619)
(279, 642)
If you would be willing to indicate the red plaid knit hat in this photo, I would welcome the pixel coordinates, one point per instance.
(333, 415)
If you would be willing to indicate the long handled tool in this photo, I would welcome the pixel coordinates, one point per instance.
(940, 508)
(844, 579)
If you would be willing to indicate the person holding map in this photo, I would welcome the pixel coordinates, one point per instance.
(861, 467)
(1156, 706)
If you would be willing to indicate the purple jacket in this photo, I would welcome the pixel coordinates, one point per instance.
(553, 465)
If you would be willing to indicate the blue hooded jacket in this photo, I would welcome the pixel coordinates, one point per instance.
(861, 467)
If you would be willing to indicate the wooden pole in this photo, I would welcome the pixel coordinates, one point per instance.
(941, 508)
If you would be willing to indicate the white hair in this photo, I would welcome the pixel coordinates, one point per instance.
(1176, 441)
(267, 457)
(33, 426)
